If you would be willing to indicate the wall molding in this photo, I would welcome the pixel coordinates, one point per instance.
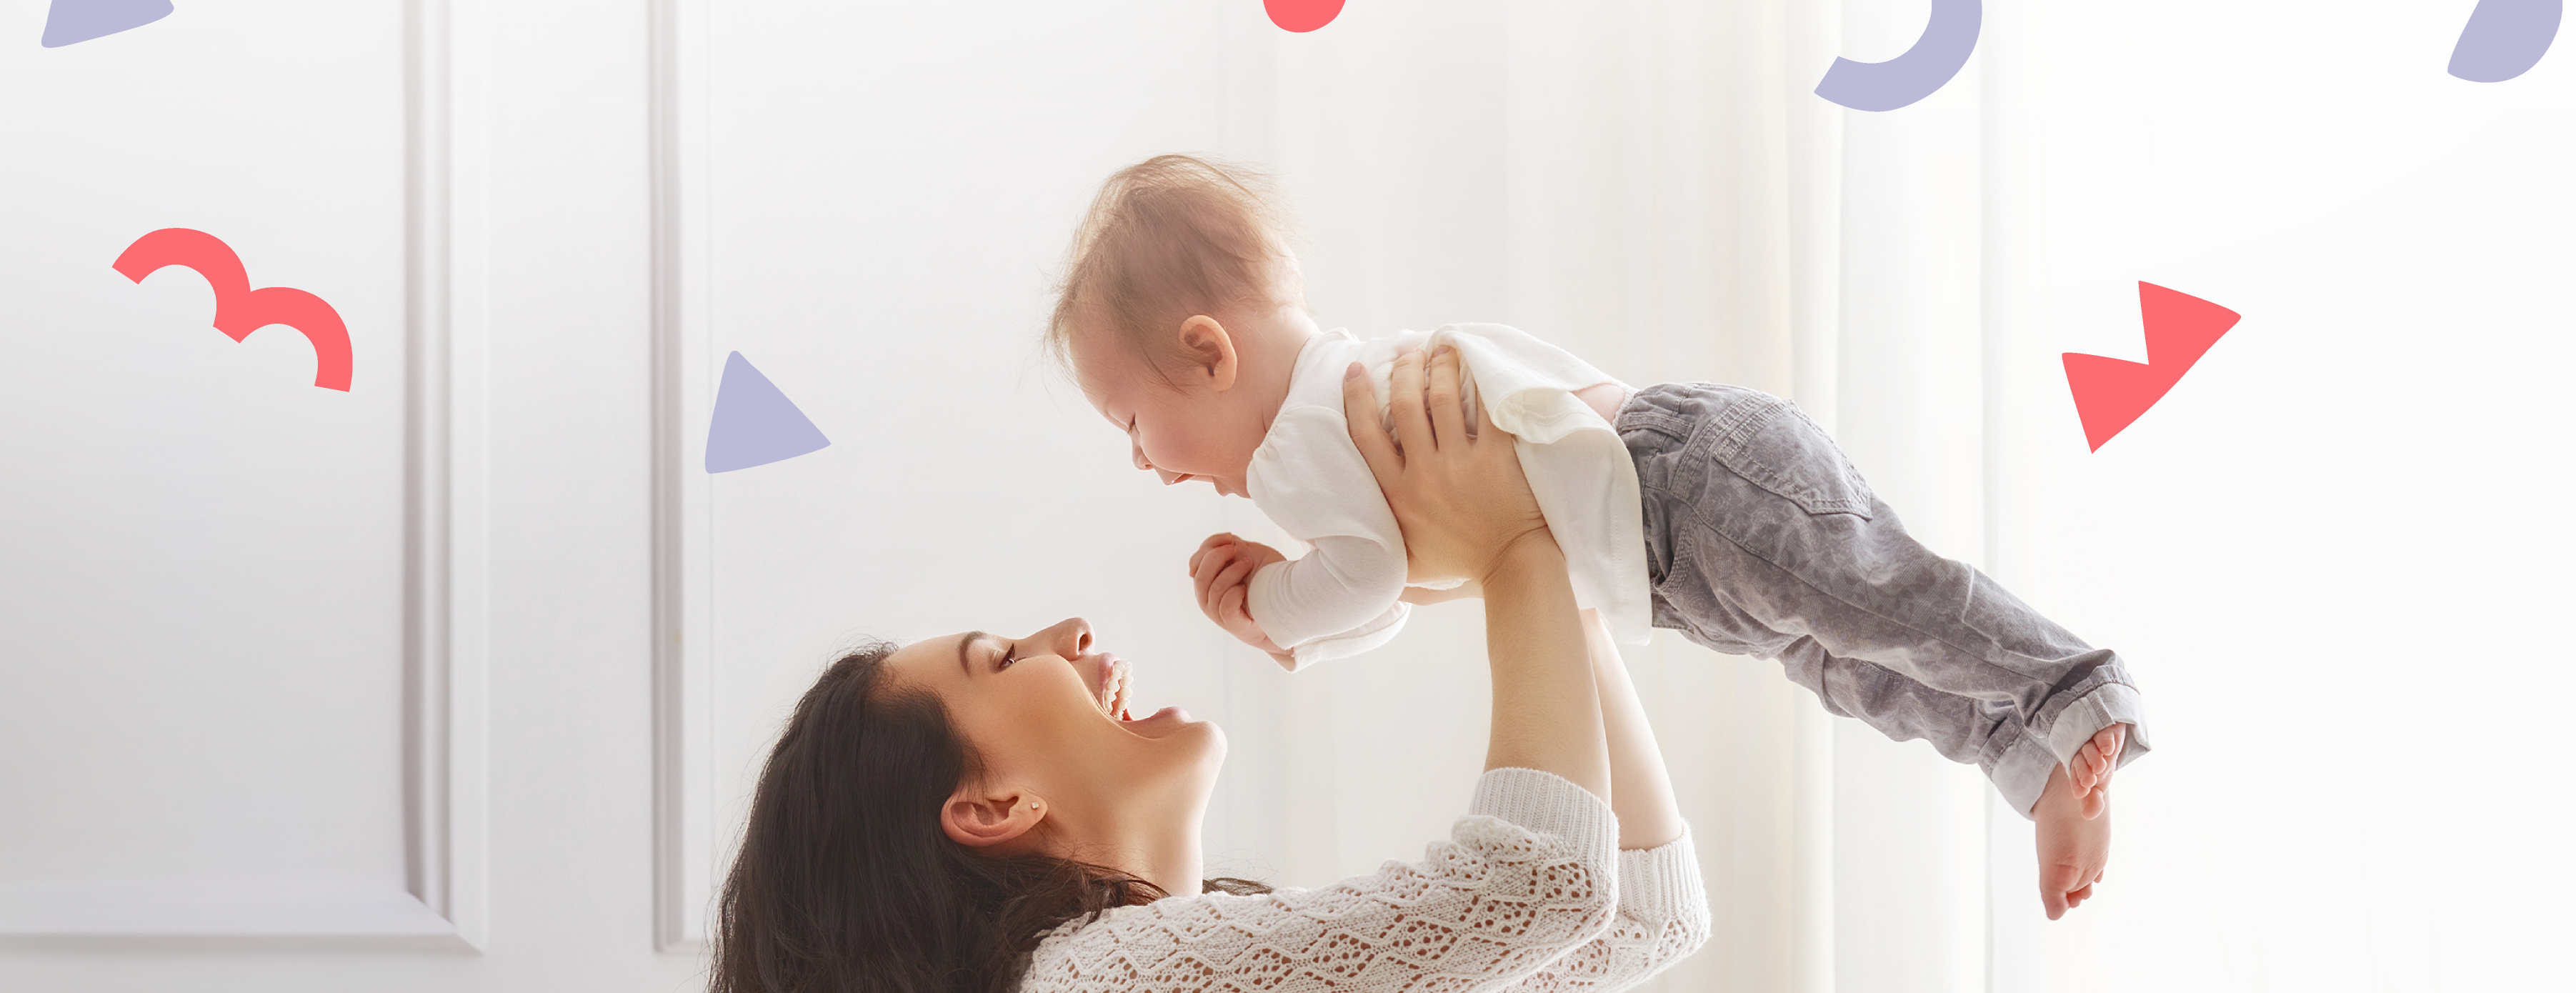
(446, 840)
(684, 836)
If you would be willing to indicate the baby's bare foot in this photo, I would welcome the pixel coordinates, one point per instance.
(2089, 772)
(2074, 842)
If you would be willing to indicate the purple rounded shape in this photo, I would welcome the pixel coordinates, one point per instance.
(70, 22)
(2504, 39)
(1924, 68)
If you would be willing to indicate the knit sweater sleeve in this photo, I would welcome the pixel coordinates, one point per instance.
(1526, 877)
(1662, 919)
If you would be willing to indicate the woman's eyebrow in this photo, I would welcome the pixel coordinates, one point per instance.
(966, 643)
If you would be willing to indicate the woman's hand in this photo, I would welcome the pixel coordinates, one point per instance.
(1467, 512)
(1461, 500)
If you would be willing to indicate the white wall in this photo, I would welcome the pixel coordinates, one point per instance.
(203, 589)
(2332, 553)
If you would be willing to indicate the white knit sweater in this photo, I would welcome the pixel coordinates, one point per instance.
(1530, 893)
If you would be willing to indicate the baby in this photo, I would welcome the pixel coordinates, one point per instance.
(1715, 510)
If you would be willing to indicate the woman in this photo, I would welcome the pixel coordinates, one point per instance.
(972, 813)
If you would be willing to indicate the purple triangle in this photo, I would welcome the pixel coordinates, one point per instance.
(754, 424)
(71, 22)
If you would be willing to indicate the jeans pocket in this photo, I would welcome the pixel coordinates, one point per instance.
(1772, 444)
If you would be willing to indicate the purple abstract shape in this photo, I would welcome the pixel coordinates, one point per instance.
(754, 424)
(1924, 68)
(2504, 39)
(71, 22)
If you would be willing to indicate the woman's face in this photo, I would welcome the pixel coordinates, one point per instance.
(1045, 714)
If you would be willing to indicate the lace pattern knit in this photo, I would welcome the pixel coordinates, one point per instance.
(1528, 894)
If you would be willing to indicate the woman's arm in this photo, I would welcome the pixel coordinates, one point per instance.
(1641, 793)
(1466, 512)
(1662, 914)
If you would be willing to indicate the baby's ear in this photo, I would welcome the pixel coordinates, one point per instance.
(1210, 350)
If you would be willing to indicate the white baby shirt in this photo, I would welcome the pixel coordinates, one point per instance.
(1340, 599)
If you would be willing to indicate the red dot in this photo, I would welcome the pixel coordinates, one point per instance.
(1302, 15)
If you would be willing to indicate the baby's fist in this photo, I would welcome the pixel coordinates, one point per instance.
(1221, 572)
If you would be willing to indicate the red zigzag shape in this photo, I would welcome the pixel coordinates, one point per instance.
(2111, 394)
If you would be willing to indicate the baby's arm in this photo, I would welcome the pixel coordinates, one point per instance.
(1340, 598)
(1222, 573)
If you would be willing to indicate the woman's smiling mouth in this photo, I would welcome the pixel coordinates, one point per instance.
(1112, 695)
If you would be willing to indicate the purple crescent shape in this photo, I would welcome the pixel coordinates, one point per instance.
(2504, 39)
(754, 424)
(1914, 75)
(71, 22)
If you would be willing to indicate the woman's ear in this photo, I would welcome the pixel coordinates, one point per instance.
(1211, 350)
(986, 818)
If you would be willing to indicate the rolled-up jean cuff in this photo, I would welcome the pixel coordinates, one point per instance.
(2023, 771)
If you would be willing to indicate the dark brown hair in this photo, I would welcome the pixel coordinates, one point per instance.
(1168, 238)
(847, 884)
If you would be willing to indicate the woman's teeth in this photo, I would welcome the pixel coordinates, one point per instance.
(1113, 691)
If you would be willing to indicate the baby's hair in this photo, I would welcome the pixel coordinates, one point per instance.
(1168, 238)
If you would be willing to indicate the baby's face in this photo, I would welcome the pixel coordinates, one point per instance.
(1183, 434)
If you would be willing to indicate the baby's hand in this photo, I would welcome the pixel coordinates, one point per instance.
(1222, 570)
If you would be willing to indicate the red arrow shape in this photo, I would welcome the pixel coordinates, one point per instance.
(240, 310)
(2110, 394)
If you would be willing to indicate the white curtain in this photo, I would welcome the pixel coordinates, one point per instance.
(1653, 185)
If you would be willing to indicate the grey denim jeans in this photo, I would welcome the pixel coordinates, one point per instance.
(1762, 540)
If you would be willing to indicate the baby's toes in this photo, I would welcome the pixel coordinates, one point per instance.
(2085, 770)
(2109, 743)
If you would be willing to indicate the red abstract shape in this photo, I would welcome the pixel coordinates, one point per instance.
(240, 310)
(2110, 394)
(1302, 16)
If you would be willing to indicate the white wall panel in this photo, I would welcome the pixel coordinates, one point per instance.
(230, 699)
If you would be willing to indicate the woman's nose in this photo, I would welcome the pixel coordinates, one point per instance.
(1070, 637)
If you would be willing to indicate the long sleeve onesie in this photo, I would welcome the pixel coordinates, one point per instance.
(1340, 599)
